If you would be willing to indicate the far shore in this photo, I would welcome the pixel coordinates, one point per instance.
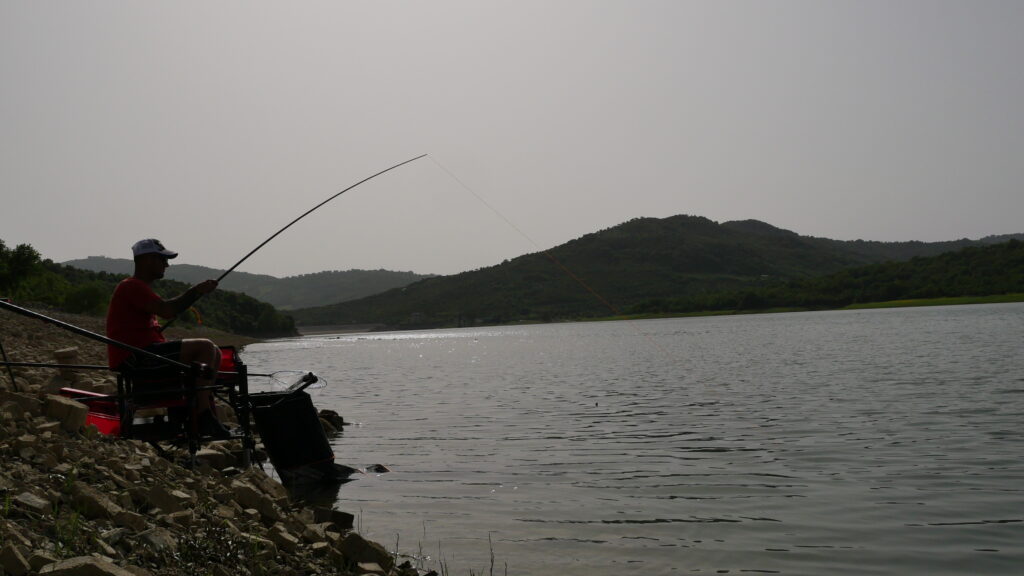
(952, 301)
(339, 329)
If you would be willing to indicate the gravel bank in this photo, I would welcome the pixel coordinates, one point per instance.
(74, 502)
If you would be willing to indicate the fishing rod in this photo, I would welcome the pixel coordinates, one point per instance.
(3, 354)
(305, 376)
(304, 214)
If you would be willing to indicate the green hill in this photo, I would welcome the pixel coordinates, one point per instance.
(636, 262)
(284, 293)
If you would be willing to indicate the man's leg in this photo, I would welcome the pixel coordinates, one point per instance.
(205, 351)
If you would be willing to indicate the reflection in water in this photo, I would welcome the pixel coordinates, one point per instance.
(318, 484)
(884, 442)
(315, 494)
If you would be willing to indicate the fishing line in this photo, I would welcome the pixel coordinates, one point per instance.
(657, 345)
(308, 212)
(553, 259)
(547, 253)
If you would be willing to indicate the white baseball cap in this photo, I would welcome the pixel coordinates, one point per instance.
(152, 246)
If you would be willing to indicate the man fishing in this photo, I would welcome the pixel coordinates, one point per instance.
(132, 319)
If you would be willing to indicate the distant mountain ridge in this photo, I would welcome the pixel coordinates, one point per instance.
(636, 261)
(286, 293)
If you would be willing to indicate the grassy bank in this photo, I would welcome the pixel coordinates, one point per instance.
(957, 301)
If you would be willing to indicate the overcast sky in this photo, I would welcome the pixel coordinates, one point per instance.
(210, 125)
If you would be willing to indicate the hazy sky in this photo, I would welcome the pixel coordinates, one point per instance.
(210, 125)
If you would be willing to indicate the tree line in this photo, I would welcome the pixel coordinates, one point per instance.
(973, 271)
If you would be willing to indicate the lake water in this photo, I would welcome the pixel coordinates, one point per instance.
(851, 442)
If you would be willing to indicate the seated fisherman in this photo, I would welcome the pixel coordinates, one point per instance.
(131, 318)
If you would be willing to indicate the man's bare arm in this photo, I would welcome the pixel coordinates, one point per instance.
(174, 306)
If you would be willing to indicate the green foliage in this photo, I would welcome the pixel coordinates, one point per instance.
(69, 538)
(44, 287)
(16, 266)
(973, 271)
(88, 298)
(200, 550)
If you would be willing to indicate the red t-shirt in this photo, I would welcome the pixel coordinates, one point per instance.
(128, 321)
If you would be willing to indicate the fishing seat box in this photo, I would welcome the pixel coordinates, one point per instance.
(290, 429)
(161, 410)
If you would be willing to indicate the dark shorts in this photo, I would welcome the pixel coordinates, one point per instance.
(170, 350)
(151, 374)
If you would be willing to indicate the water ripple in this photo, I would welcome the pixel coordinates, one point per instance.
(846, 443)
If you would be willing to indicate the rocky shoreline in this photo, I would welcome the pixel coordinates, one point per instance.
(74, 502)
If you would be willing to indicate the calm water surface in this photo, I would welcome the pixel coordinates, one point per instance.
(854, 442)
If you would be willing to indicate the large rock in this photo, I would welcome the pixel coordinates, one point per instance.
(265, 549)
(67, 356)
(131, 520)
(27, 402)
(266, 484)
(114, 535)
(31, 502)
(225, 512)
(342, 520)
(11, 534)
(93, 503)
(84, 566)
(359, 550)
(41, 558)
(105, 388)
(335, 419)
(54, 384)
(319, 547)
(12, 562)
(249, 497)
(283, 540)
(182, 518)
(158, 540)
(26, 441)
(370, 568)
(215, 458)
(69, 413)
(330, 430)
(169, 500)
